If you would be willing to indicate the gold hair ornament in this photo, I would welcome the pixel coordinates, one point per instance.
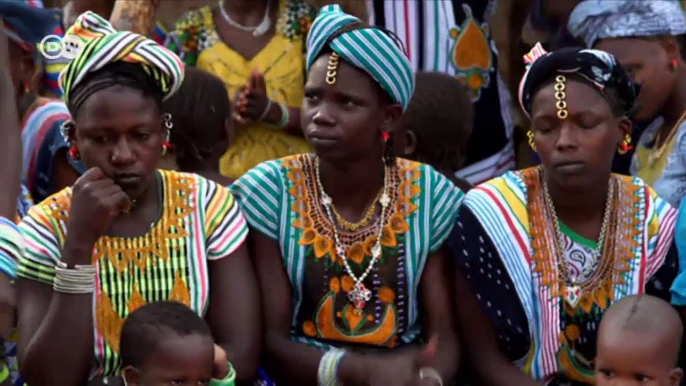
(560, 97)
(332, 68)
(530, 134)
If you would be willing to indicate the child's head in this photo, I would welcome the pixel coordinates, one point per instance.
(201, 115)
(638, 343)
(166, 342)
(435, 128)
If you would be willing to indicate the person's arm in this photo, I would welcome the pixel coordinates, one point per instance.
(135, 16)
(275, 116)
(234, 308)
(437, 303)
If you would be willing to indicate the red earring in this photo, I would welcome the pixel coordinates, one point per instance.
(165, 147)
(74, 153)
(385, 136)
(675, 64)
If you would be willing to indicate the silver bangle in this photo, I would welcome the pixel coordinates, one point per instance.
(76, 281)
(266, 111)
(431, 373)
(327, 373)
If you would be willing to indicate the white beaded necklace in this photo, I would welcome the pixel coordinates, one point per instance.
(359, 295)
(257, 30)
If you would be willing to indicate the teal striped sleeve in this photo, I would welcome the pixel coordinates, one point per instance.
(446, 199)
(259, 193)
(42, 248)
(225, 227)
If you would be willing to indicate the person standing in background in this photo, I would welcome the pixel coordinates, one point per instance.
(453, 37)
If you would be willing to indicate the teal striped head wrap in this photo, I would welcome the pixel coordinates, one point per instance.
(369, 49)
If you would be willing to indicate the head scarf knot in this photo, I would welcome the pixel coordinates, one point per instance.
(593, 20)
(370, 49)
(103, 45)
(597, 68)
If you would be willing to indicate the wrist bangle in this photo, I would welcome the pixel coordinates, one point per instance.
(75, 281)
(228, 380)
(285, 116)
(428, 372)
(327, 373)
(266, 111)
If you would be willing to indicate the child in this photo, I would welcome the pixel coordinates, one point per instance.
(202, 125)
(435, 128)
(167, 343)
(638, 342)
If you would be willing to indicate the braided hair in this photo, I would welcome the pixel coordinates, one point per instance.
(200, 110)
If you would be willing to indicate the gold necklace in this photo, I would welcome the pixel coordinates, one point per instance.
(657, 153)
(354, 226)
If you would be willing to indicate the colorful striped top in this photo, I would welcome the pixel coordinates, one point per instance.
(199, 222)
(502, 242)
(281, 200)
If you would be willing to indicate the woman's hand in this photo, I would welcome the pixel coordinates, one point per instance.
(251, 103)
(220, 368)
(95, 201)
(401, 369)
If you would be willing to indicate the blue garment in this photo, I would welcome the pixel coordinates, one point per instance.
(679, 285)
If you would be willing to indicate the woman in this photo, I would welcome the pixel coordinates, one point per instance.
(647, 38)
(546, 250)
(47, 168)
(256, 48)
(348, 246)
(132, 234)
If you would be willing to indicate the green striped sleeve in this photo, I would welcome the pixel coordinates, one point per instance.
(225, 225)
(42, 246)
(445, 198)
(259, 193)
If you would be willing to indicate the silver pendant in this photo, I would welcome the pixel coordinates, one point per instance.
(359, 296)
(572, 295)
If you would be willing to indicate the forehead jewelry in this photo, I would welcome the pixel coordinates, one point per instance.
(560, 96)
(332, 68)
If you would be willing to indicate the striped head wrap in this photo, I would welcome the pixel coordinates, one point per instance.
(371, 49)
(103, 46)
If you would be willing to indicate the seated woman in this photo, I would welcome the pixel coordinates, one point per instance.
(132, 234)
(348, 241)
(545, 251)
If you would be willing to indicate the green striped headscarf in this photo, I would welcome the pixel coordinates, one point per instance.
(370, 49)
(103, 45)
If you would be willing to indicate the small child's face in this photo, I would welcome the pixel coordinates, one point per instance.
(627, 358)
(178, 360)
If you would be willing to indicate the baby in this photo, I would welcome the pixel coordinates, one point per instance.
(638, 343)
(166, 343)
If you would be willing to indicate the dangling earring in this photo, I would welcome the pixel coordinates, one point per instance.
(625, 146)
(74, 153)
(530, 134)
(388, 150)
(166, 145)
(673, 65)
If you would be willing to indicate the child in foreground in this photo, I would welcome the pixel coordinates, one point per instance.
(638, 343)
(166, 343)
(436, 126)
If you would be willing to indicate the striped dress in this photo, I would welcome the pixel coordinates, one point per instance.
(503, 246)
(199, 222)
(281, 200)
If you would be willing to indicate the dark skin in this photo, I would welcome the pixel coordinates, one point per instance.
(251, 100)
(209, 167)
(119, 134)
(663, 87)
(338, 122)
(576, 154)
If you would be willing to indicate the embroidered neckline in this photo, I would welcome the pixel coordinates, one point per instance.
(317, 232)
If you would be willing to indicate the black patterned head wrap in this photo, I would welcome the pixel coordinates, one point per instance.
(597, 68)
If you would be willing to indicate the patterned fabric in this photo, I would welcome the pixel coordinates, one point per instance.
(199, 222)
(370, 49)
(41, 140)
(599, 68)
(281, 200)
(679, 286)
(454, 37)
(104, 45)
(281, 62)
(502, 244)
(24, 203)
(593, 20)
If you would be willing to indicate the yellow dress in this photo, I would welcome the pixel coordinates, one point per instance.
(281, 62)
(651, 173)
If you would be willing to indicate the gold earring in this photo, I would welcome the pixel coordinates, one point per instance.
(560, 96)
(530, 134)
(625, 146)
(331, 69)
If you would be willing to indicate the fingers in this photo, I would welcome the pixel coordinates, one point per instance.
(92, 174)
(258, 82)
(427, 356)
(117, 202)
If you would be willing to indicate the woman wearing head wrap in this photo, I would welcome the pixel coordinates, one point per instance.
(348, 241)
(647, 37)
(546, 250)
(127, 233)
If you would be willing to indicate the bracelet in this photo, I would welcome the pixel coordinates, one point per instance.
(228, 380)
(328, 367)
(428, 372)
(11, 247)
(266, 111)
(285, 116)
(76, 281)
